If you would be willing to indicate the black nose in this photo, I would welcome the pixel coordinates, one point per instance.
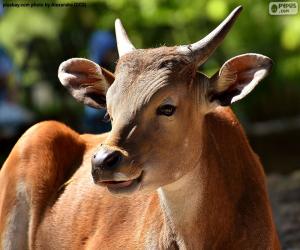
(106, 159)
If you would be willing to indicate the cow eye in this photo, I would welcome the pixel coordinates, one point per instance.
(166, 110)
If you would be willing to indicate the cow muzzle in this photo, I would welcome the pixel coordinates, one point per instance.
(107, 159)
(108, 170)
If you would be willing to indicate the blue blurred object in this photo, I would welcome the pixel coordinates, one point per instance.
(6, 65)
(101, 44)
(93, 121)
(1, 8)
(12, 115)
(6, 68)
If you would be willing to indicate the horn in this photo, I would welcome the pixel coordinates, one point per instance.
(123, 42)
(206, 46)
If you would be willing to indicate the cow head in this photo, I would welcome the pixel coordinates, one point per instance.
(156, 103)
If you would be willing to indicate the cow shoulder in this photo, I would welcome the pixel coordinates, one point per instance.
(42, 160)
(49, 152)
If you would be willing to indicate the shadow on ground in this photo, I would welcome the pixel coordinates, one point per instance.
(285, 198)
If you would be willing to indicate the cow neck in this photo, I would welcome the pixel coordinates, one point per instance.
(180, 203)
(190, 214)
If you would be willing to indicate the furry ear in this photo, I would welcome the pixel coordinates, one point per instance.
(86, 81)
(238, 77)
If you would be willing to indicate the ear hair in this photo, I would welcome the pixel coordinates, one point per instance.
(86, 81)
(238, 77)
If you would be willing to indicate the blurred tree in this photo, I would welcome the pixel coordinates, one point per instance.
(40, 38)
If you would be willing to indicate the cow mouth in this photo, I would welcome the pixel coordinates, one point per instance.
(123, 187)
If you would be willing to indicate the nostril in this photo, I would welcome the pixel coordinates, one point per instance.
(112, 160)
(106, 159)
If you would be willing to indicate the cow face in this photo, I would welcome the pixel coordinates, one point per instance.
(157, 102)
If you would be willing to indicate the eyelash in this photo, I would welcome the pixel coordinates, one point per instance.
(166, 110)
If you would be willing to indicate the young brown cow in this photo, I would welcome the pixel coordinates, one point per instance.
(175, 171)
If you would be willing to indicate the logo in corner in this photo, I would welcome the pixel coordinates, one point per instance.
(283, 8)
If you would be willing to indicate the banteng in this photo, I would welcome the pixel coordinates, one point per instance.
(175, 172)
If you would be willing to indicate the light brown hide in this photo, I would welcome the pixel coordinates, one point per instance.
(200, 184)
(234, 214)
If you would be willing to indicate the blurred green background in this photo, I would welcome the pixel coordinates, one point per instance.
(39, 39)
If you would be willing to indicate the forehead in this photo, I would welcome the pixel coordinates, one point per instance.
(141, 58)
(141, 73)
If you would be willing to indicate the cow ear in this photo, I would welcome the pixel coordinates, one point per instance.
(238, 77)
(86, 81)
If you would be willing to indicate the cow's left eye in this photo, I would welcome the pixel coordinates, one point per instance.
(166, 110)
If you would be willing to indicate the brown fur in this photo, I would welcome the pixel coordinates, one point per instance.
(234, 213)
(200, 184)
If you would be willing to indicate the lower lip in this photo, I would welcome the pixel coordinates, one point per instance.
(118, 184)
(124, 187)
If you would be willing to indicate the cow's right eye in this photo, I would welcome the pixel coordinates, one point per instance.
(166, 110)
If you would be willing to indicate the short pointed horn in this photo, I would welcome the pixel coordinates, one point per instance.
(206, 46)
(123, 42)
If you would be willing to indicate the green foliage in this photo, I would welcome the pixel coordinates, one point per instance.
(40, 38)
